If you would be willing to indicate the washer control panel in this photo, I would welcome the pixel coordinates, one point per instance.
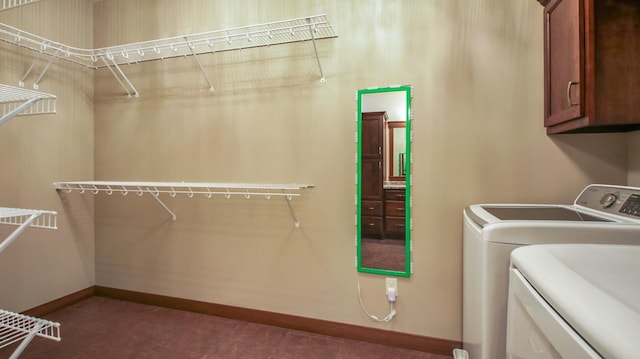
(616, 200)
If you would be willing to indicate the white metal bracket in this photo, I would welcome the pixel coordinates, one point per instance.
(195, 57)
(120, 77)
(312, 30)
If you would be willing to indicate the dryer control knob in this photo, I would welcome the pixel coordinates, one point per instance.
(608, 200)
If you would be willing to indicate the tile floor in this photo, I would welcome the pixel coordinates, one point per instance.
(105, 328)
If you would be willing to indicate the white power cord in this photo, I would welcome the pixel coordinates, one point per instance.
(392, 310)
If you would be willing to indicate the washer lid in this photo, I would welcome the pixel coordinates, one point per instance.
(594, 287)
(485, 214)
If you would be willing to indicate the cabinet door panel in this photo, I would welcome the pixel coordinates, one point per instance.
(371, 180)
(564, 61)
(372, 135)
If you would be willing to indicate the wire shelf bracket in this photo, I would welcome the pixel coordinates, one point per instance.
(226, 190)
(310, 28)
(16, 101)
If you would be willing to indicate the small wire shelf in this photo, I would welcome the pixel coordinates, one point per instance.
(15, 101)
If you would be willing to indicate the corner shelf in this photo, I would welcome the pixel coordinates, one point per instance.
(17, 327)
(210, 190)
(16, 101)
(310, 28)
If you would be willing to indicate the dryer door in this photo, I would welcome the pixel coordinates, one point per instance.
(535, 330)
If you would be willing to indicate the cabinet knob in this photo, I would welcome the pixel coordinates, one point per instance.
(569, 84)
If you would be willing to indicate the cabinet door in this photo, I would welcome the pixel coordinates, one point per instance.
(372, 179)
(564, 61)
(372, 135)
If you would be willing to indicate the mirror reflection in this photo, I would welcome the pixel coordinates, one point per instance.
(383, 167)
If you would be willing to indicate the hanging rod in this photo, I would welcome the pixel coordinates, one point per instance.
(210, 190)
(16, 101)
(310, 28)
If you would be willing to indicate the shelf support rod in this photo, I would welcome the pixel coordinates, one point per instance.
(36, 84)
(18, 231)
(116, 76)
(315, 49)
(195, 57)
(155, 196)
(126, 79)
(119, 79)
(296, 222)
(26, 74)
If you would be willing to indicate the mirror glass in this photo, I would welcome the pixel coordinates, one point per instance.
(383, 210)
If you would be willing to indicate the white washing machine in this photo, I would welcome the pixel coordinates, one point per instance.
(600, 214)
(574, 301)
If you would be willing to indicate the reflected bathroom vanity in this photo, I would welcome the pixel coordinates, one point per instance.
(383, 152)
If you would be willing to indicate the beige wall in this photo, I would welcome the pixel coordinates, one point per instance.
(476, 70)
(42, 264)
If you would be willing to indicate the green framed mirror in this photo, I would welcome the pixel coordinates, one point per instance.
(383, 210)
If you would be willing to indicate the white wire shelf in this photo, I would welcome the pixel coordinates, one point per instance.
(190, 189)
(24, 218)
(18, 327)
(19, 216)
(15, 101)
(10, 4)
(310, 28)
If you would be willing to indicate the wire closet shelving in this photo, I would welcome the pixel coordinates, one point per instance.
(310, 28)
(10, 4)
(15, 101)
(190, 189)
(18, 327)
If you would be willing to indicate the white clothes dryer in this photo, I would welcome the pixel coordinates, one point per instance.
(600, 214)
(574, 301)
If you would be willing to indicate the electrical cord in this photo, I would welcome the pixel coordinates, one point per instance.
(388, 318)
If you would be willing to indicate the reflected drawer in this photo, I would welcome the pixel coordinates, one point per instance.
(371, 224)
(395, 194)
(394, 208)
(394, 224)
(372, 208)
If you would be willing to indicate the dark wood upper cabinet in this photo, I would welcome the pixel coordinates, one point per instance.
(591, 65)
